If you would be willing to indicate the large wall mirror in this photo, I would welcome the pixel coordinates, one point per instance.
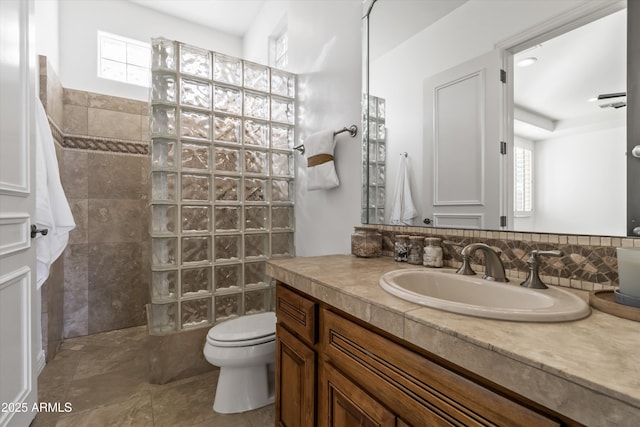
(499, 114)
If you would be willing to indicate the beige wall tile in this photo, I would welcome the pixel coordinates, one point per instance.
(113, 124)
(75, 120)
(113, 103)
(76, 97)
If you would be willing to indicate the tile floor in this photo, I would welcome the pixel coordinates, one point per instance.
(104, 378)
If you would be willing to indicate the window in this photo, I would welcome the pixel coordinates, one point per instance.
(122, 59)
(282, 50)
(523, 181)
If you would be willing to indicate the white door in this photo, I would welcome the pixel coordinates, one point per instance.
(462, 158)
(19, 316)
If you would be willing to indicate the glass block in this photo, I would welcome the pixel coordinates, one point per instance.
(256, 246)
(195, 156)
(196, 249)
(281, 190)
(163, 218)
(227, 100)
(227, 69)
(380, 175)
(373, 176)
(227, 189)
(281, 164)
(163, 87)
(195, 125)
(255, 274)
(255, 162)
(255, 218)
(227, 159)
(163, 120)
(196, 281)
(256, 105)
(281, 217)
(196, 312)
(228, 277)
(164, 251)
(373, 129)
(256, 76)
(382, 152)
(227, 248)
(372, 152)
(163, 186)
(226, 129)
(163, 153)
(256, 133)
(195, 93)
(373, 106)
(282, 244)
(195, 187)
(163, 284)
(255, 190)
(282, 110)
(227, 306)
(163, 318)
(196, 219)
(380, 216)
(380, 196)
(382, 111)
(194, 61)
(281, 137)
(283, 83)
(256, 301)
(382, 132)
(227, 218)
(163, 54)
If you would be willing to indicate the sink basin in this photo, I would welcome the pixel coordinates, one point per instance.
(445, 290)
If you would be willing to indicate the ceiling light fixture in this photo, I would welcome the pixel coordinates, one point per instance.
(525, 62)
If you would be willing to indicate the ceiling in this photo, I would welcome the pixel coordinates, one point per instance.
(571, 69)
(229, 16)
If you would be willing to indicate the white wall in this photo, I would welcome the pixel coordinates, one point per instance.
(81, 19)
(467, 32)
(572, 164)
(325, 52)
(46, 24)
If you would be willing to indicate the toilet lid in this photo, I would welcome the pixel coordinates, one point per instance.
(253, 327)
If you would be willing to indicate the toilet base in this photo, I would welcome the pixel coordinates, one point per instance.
(243, 389)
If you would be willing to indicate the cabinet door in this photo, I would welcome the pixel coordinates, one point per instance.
(343, 404)
(295, 381)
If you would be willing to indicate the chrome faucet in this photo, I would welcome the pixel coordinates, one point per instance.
(494, 269)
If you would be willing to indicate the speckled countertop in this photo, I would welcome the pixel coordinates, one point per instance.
(588, 370)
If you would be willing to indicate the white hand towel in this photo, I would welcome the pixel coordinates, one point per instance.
(403, 209)
(321, 169)
(52, 208)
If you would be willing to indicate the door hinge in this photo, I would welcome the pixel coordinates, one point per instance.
(503, 147)
(503, 221)
(503, 76)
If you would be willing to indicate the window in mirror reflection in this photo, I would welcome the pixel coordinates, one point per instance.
(523, 181)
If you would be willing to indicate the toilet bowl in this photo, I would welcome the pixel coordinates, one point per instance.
(244, 348)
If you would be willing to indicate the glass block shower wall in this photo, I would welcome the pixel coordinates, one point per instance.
(222, 171)
(374, 158)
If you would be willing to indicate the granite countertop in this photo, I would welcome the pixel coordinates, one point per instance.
(588, 370)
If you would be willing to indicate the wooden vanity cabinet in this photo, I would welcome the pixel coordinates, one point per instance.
(333, 371)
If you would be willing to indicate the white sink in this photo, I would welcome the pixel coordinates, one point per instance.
(472, 295)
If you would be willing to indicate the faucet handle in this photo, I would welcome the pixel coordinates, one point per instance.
(533, 279)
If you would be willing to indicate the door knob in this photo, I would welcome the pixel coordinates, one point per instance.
(635, 151)
(35, 231)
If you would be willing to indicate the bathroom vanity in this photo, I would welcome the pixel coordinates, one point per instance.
(348, 353)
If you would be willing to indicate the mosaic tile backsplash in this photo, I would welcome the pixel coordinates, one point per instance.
(589, 262)
(222, 169)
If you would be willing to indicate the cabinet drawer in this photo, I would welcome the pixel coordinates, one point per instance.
(421, 391)
(297, 313)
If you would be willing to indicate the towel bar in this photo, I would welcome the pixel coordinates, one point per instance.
(353, 131)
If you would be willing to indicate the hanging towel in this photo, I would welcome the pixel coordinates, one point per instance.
(52, 208)
(321, 170)
(403, 209)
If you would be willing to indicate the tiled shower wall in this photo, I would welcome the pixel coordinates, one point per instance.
(105, 177)
(588, 263)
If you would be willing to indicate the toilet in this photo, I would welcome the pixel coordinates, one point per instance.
(245, 349)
